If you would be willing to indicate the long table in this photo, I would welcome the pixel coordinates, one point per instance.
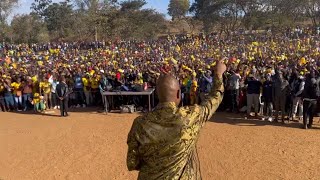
(149, 92)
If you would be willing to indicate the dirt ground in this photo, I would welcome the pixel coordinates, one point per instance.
(88, 145)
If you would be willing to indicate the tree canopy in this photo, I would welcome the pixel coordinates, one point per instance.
(178, 8)
(255, 14)
(5, 9)
(88, 20)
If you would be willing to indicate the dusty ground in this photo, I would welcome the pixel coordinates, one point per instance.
(93, 146)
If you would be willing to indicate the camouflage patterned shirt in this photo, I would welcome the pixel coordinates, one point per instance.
(162, 143)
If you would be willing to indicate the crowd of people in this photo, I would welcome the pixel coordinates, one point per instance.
(272, 73)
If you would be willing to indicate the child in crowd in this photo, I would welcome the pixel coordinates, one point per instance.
(38, 102)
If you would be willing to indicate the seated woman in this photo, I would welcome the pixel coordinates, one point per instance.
(38, 102)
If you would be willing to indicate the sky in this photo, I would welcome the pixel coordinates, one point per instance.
(24, 6)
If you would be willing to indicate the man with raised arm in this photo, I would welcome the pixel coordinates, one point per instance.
(162, 143)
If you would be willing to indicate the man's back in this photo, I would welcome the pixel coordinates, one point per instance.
(311, 90)
(162, 144)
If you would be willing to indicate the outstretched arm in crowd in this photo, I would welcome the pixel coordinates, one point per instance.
(208, 79)
(211, 104)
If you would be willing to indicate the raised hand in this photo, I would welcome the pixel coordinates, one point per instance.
(220, 68)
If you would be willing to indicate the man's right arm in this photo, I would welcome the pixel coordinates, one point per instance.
(201, 114)
(211, 104)
(133, 160)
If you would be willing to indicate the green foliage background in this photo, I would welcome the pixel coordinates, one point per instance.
(88, 20)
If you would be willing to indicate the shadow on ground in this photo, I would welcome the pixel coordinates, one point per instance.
(238, 120)
(56, 113)
(220, 117)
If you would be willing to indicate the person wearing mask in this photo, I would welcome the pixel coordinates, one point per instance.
(63, 93)
(310, 95)
(253, 94)
(281, 90)
(267, 98)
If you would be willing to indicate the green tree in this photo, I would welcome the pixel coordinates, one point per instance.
(29, 29)
(178, 8)
(312, 11)
(60, 19)
(222, 13)
(6, 8)
(132, 5)
(251, 14)
(133, 22)
(92, 17)
(39, 6)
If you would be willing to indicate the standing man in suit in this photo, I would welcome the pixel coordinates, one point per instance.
(62, 93)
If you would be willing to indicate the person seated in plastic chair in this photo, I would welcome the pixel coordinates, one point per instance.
(38, 102)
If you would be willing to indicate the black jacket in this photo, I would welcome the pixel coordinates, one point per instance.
(311, 88)
(253, 86)
(62, 90)
(267, 91)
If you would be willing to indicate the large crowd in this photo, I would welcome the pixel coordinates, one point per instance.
(270, 72)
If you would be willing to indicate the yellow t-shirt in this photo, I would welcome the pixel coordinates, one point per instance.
(16, 86)
(34, 79)
(36, 98)
(139, 81)
(86, 84)
(1, 88)
(92, 72)
(95, 83)
(45, 87)
(185, 81)
(194, 86)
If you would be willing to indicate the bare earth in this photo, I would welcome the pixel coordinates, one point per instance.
(88, 145)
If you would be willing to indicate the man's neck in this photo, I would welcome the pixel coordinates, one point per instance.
(168, 102)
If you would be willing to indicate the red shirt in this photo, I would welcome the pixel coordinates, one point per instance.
(166, 69)
(118, 76)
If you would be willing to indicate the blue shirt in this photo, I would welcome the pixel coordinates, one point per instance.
(78, 82)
